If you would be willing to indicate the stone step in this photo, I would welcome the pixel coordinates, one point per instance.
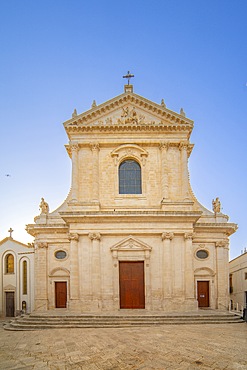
(35, 322)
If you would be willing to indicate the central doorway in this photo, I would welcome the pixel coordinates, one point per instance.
(61, 294)
(131, 284)
(203, 293)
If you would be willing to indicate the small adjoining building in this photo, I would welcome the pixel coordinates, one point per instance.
(131, 233)
(238, 281)
(16, 277)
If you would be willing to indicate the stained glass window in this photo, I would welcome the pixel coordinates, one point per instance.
(130, 177)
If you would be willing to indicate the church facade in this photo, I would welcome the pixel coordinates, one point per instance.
(131, 234)
(16, 277)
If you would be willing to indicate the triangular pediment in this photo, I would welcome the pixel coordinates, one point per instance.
(9, 287)
(131, 244)
(128, 110)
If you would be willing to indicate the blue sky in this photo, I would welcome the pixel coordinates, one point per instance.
(59, 55)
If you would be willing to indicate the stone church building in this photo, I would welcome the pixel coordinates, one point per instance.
(131, 234)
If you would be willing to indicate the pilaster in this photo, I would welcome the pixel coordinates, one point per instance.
(74, 269)
(41, 299)
(222, 261)
(184, 170)
(189, 272)
(164, 171)
(95, 269)
(167, 267)
(74, 186)
(95, 171)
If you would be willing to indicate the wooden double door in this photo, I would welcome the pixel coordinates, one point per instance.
(203, 293)
(61, 294)
(131, 284)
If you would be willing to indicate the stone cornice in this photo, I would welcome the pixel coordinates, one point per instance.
(37, 229)
(130, 216)
(142, 144)
(167, 118)
(226, 228)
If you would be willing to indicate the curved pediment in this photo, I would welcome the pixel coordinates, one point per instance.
(129, 150)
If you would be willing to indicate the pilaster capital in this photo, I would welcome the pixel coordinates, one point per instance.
(94, 147)
(183, 145)
(41, 245)
(167, 236)
(74, 147)
(164, 145)
(73, 236)
(222, 244)
(189, 236)
(94, 236)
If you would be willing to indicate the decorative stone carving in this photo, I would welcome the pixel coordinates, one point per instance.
(216, 205)
(188, 236)
(41, 245)
(74, 147)
(167, 235)
(222, 244)
(94, 236)
(127, 150)
(164, 145)
(183, 145)
(73, 236)
(129, 116)
(94, 146)
(44, 207)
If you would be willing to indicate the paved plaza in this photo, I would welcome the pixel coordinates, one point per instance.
(210, 346)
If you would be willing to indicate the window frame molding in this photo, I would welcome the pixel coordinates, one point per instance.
(5, 258)
(130, 152)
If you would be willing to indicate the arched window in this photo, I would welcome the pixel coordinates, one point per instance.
(9, 263)
(24, 277)
(130, 177)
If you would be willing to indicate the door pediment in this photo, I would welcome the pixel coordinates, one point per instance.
(9, 288)
(131, 244)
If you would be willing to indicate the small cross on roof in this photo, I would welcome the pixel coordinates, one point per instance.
(10, 231)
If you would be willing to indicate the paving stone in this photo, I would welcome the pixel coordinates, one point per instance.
(184, 347)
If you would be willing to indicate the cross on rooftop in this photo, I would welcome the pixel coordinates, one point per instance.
(128, 76)
(10, 232)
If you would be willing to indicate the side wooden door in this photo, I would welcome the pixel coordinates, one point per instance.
(61, 294)
(131, 285)
(203, 293)
(10, 304)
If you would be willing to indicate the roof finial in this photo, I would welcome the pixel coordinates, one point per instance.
(163, 103)
(93, 104)
(10, 231)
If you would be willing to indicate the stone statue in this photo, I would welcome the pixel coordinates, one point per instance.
(44, 208)
(216, 205)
